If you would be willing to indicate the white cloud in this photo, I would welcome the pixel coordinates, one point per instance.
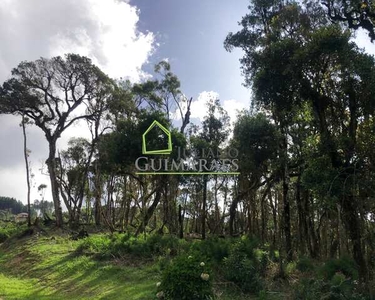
(199, 107)
(233, 106)
(106, 31)
(363, 41)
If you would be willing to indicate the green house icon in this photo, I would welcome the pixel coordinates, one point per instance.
(168, 135)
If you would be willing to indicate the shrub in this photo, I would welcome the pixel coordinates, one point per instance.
(9, 229)
(305, 264)
(245, 264)
(308, 289)
(118, 245)
(338, 288)
(98, 244)
(345, 265)
(213, 248)
(290, 267)
(164, 261)
(187, 277)
(3, 235)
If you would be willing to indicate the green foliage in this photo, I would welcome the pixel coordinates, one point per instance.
(322, 179)
(345, 265)
(8, 229)
(187, 277)
(213, 248)
(308, 289)
(245, 264)
(256, 139)
(119, 149)
(355, 14)
(290, 267)
(305, 264)
(66, 275)
(118, 245)
(12, 204)
(338, 288)
(3, 235)
(337, 280)
(96, 243)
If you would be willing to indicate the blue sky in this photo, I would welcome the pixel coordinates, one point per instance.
(191, 35)
(125, 38)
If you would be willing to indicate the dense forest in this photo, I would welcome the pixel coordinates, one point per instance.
(304, 150)
(12, 205)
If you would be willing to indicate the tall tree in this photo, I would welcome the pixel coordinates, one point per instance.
(26, 157)
(210, 141)
(322, 71)
(54, 93)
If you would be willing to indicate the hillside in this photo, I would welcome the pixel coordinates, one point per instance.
(50, 265)
(47, 267)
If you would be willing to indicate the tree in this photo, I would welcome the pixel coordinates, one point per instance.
(53, 93)
(16, 207)
(257, 141)
(26, 156)
(354, 13)
(215, 131)
(72, 176)
(322, 72)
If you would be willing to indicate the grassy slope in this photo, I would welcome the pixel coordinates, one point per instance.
(48, 268)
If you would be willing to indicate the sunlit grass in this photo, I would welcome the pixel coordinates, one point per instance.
(46, 268)
(52, 268)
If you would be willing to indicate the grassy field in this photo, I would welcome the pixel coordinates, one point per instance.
(118, 266)
(49, 268)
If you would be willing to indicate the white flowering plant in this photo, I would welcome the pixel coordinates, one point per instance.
(187, 277)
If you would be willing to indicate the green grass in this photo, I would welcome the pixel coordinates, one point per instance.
(55, 267)
(45, 268)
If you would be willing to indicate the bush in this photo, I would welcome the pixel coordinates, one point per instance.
(308, 289)
(98, 244)
(9, 229)
(245, 264)
(118, 245)
(305, 264)
(213, 248)
(338, 288)
(290, 267)
(345, 265)
(3, 235)
(337, 281)
(187, 277)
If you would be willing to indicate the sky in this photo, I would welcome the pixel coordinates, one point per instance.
(125, 39)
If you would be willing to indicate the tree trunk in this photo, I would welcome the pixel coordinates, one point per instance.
(51, 164)
(181, 222)
(351, 221)
(97, 196)
(301, 218)
(27, 171)
(204, 207)
(287, 231)
(274, 217)
(149, 212)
